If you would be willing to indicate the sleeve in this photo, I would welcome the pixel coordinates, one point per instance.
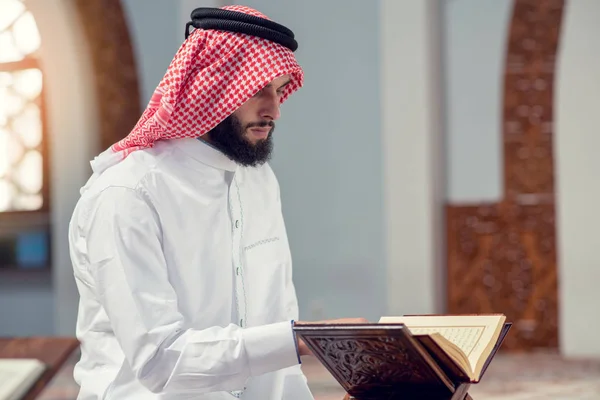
(132, 284)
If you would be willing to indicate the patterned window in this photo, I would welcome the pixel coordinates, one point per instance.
(24, 191)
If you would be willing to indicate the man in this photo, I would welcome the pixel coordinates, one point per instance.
(178, 244)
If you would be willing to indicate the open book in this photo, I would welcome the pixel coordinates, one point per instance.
(433, 357)
(468, 340)
(17, 376)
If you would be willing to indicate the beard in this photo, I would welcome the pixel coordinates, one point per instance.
(230, 137)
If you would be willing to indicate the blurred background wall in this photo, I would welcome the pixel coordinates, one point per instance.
(401, 115)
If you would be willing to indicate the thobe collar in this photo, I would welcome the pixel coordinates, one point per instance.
(205, 153)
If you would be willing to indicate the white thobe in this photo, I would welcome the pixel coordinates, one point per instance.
(183, 266)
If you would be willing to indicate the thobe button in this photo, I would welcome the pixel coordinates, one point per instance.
(237, 223)
(241, 322)
(237, 271)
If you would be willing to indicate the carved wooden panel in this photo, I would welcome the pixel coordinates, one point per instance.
(110, 47)
(372, 360)
(502, 257)
(528, 97)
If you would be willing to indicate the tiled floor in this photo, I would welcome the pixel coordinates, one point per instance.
(510, 377)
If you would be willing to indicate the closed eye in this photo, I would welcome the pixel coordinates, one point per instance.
(281, 88)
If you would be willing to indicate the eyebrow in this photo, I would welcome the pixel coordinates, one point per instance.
(285, 84)
(282, 86)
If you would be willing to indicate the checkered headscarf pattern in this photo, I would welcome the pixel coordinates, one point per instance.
(212, 74)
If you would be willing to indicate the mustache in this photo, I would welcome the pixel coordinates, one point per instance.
(260, 124)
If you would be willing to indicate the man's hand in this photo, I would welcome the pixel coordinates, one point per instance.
(305, 351)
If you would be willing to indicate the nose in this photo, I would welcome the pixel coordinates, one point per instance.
(270, 107)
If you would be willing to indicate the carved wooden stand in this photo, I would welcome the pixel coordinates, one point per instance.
(387, 362)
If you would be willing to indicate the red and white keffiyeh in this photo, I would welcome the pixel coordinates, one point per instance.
(212, 75)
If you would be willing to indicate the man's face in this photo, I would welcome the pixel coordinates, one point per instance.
(246, 135)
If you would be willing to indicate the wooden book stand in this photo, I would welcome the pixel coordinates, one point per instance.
(386, 362)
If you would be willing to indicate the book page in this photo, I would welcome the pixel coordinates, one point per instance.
(7, 377)
(17, 376)
(467, 338)
(471, 333)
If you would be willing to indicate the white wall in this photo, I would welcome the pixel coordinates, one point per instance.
(156, 33)
(577, 169)
(73, 134)
(475, 34)
(412, 94)
(26, 305)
